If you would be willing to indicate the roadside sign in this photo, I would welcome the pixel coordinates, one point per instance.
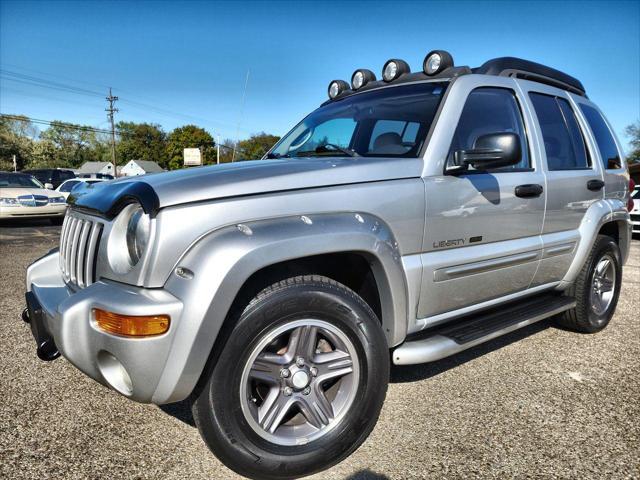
(192, 157)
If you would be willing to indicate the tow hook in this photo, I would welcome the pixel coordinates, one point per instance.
(25, 315)
(47, 350)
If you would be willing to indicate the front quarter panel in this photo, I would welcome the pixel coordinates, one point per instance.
(224, 259)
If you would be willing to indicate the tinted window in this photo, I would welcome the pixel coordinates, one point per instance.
(489, 110)
(604, 139)
(386, 122)
(563, 141)
(67, 186)
(407, 131)
(65, 175)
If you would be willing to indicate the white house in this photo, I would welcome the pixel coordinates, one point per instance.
(96, 167)
(139, 167)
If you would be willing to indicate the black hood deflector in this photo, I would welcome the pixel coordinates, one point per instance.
(109, 198)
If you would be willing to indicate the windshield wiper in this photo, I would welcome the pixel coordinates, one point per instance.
(337, 148)
(277, 155)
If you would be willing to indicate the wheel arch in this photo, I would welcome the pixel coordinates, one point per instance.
(606, 217)
(230, 263)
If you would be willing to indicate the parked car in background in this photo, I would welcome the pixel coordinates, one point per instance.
(104, 176)
(635, 213)
(23, 196)
(51, 177)
(65, 187)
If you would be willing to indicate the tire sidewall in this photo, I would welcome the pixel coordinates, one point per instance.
(603, 246)
(224, 426)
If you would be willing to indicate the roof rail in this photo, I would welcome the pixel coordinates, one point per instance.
(519, 68)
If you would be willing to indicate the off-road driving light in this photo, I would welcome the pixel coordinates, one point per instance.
(394, 68)
(336, 87)
(437, 61)
(361, 77)
(131, 326)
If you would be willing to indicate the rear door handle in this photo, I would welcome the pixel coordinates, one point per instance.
(595, 185)
(528, 190)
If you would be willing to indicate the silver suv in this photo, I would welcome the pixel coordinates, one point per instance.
(404, 220)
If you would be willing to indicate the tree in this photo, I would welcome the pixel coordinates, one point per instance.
(72, 143)
(189, 136)
(255, 147)
(633, 132)
(16, 138)
(141, 141)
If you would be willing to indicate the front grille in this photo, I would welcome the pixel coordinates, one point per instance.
(78, 249)
(33, 200)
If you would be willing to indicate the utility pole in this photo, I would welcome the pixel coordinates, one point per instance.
(218, 151)
(110, 111)
(15, 164)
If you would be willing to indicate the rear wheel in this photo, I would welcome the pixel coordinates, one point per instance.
(299, 383)
(596, 289)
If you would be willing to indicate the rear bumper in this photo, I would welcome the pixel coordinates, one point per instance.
(635, 222)
(132, 366)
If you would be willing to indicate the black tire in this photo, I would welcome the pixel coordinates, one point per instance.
(583, 318)
(216, 407)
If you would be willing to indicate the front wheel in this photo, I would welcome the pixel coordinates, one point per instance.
(299, 383)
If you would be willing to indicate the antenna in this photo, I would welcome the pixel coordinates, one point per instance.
(244, 96)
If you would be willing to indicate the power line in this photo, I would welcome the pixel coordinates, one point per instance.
(71, 126)
(46, 83)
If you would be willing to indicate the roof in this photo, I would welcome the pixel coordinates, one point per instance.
(93, 167)
(148, 166)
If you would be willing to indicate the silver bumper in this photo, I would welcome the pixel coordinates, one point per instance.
(134, 367)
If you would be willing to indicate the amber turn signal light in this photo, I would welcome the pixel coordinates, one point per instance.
(130, 325)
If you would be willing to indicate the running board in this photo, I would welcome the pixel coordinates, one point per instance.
(469, 331)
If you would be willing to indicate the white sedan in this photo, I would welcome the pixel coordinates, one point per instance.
(65, 187)
(22, 196)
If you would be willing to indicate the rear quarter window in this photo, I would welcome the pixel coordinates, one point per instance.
(606, 144)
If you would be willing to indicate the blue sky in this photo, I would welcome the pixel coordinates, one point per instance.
(174, 63)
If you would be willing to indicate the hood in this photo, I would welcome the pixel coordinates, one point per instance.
(16, 192)
(161, 190)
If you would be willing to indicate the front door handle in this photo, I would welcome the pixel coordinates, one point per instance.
(595, 185)
(528, 190)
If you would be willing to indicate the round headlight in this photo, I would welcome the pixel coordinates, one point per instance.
(129, 238)
(361, 77)
(437, 61)
(394, 68)
(138, 230)
(336, 87)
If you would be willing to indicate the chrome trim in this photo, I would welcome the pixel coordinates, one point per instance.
(78, 248)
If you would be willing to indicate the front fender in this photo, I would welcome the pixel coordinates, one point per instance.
(224, 259)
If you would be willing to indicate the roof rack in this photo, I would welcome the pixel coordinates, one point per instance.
(519, 68)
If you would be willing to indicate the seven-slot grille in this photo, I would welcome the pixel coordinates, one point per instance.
(78, 248)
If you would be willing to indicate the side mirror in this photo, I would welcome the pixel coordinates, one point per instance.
(493, 150)
(49, 186)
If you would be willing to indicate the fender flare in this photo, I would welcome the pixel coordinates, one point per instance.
(222, 261)
(598, 214)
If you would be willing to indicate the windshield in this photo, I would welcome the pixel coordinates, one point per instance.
(388, 122)
(13, 180)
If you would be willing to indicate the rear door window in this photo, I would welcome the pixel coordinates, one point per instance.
(606, 144)
(563, 140)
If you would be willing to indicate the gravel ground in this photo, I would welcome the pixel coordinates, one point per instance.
(541, 402)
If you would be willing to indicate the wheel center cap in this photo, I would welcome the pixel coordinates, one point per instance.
(300, 379)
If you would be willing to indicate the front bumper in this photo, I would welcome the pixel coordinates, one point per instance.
(131, 366)
(47, 211)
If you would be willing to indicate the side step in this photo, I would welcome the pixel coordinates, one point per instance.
(469, 331)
